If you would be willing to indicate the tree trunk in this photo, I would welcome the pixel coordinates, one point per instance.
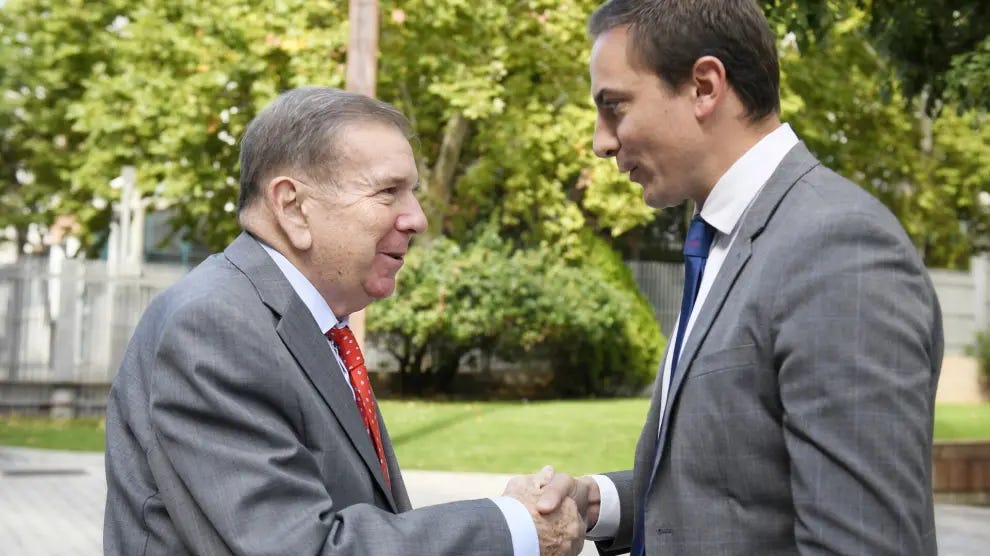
(441, 179)
(20, 240)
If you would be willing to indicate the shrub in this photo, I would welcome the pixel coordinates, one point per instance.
(586, 319)
(981, 351)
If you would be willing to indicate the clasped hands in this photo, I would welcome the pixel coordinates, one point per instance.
(563, 508)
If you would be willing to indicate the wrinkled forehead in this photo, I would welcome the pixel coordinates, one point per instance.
(379, 150)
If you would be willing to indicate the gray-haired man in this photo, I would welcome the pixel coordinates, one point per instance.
(241, 420)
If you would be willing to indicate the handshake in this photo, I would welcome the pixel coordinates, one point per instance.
(563, 508)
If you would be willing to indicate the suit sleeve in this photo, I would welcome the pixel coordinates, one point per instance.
(857, 341)
(236, 478)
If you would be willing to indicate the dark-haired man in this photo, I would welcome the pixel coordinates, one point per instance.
(793, 411)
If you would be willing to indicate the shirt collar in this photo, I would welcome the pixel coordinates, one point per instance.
(740, 184)
(306, 291)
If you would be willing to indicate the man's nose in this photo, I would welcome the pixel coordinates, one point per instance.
(604, 142)
(413, 219)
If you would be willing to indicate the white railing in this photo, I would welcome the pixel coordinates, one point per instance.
(71, 326)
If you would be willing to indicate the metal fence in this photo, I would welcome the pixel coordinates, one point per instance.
(69, 323)
(965, 300)
(661, 283)
(66, 324)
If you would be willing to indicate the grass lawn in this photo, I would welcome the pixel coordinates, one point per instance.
(962, 422)
(513, 437)
(84, 434)
(509, 437)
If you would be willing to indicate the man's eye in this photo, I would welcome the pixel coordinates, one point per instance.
(611, 106)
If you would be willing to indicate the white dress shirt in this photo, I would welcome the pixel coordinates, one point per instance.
(310, 297)
(525, 541)
(723, 210)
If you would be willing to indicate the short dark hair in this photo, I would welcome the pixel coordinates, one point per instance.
(299, 131)
(668, 36)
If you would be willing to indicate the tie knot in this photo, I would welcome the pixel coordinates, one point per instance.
(341, 336)
(699, 238)
(347, 346)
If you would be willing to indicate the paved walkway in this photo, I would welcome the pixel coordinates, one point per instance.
(51, 503)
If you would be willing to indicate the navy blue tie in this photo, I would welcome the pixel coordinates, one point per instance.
(696, 247)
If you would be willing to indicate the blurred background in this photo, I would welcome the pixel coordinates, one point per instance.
(543, 275)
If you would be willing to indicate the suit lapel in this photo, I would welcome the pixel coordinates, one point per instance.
(308, 346)
(735, 261)
(399, 493)
(310, 349)
(646, 448)
(798, 162)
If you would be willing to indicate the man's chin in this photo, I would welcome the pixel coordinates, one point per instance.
(380, 289)
(657, 201)
(660, 197)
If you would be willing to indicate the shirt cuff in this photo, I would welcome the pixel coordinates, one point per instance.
(608, 513)
(525, 541)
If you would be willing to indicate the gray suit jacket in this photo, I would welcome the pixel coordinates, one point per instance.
(231, 430)
(800, 419)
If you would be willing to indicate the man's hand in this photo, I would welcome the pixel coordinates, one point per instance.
(583, 490)
(561, 528)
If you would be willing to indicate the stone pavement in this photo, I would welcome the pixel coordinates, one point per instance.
(51, 503)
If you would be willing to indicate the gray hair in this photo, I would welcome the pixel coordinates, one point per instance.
(300, 130)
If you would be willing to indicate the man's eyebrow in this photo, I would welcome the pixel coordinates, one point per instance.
(401, 181)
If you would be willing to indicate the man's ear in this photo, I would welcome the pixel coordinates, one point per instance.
(285, 197)
(710, 85)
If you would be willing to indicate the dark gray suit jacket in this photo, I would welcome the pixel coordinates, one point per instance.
(231, 430)
(800, 419)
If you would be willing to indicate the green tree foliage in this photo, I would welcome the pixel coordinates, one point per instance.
(958, 174)
(185, 80)
(504, 119)
(168, 87)
(969, 77)
(981, 351)
(931, 173)
(504, 129)
(515, 91)
(499, 98)
(46, 50)
(939, 47)
(489, 300)
(164, 86)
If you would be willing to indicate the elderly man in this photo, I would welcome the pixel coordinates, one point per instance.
(241, 420)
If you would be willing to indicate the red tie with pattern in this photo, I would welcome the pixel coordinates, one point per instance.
(350, 352)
